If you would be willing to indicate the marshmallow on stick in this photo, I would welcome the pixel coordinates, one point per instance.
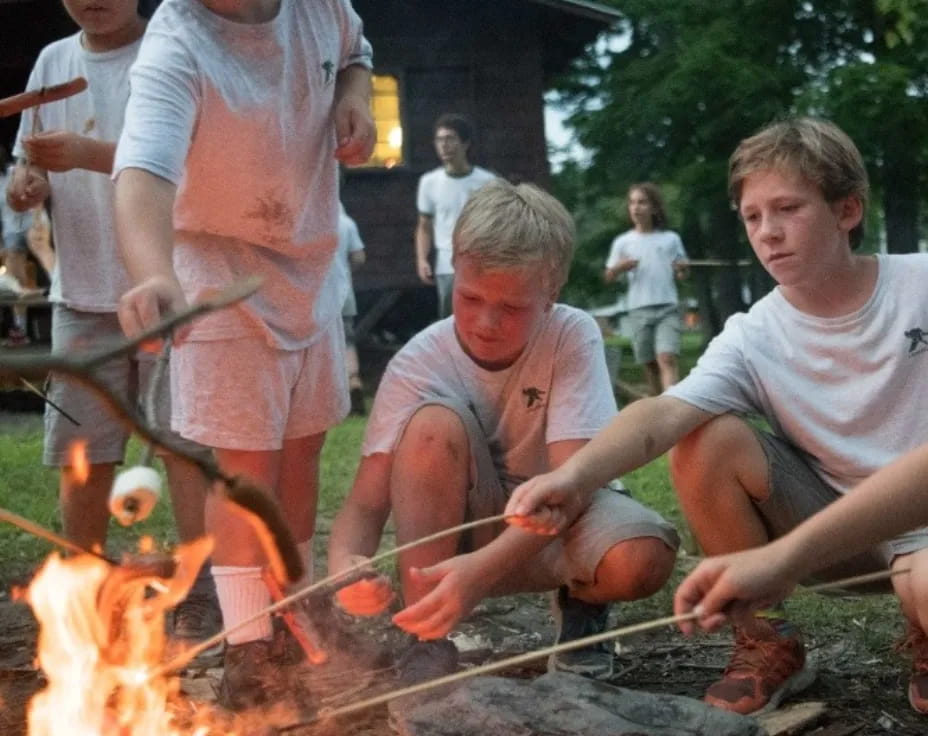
(134, 494)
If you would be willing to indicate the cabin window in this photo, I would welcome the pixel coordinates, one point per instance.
(385, 107)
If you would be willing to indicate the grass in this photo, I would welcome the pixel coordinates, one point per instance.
(29, 489)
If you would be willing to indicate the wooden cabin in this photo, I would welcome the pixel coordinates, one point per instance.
(488, 59)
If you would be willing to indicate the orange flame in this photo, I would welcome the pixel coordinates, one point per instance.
(101, 641)
(77, 460)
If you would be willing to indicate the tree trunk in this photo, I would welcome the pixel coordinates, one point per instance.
(900, 202)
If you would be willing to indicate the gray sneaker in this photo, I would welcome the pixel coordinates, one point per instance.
(423, 661)
(576, 619)
(197, 618)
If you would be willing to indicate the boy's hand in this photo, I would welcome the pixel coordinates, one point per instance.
(424, 269)
(732, 586)
(355, 131)
(147, 304)
(56, 150)
(457, 588)
(368, 597)
(27, 188)
(543, 504)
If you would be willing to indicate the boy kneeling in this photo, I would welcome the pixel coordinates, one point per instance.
(508, 387)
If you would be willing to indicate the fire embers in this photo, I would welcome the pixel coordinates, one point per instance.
(101, 643)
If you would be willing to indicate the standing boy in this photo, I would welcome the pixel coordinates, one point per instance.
(824, 358)
(69, 159)
(350, 257)
(652, 257)
(227, 168)
(442, 194)
(511, 385)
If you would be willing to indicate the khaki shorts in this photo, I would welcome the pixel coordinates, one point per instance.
(128, 378)
(242, 394)
(797, 492)
(572, 558)
(654, 330)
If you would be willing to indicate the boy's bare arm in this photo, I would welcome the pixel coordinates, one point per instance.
(354, 127)
(145, 231)
(27, 188)
(423, 248)
(62, 150)
(359, 524)
(641, 432)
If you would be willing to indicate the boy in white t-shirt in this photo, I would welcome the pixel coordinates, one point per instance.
(70, 155)
(350, 257)
(441, 195)
(509, 386)
(652, 258)
(827, 359)
(226, 168)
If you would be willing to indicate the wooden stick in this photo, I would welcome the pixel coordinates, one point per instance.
(24, 100)
(327, 714)
(38, 392)
(49, 536)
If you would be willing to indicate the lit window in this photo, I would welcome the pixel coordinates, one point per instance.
(385, 107)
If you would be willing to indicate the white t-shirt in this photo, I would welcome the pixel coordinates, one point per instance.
(558, 389)
(89, 274)
(652, 280)
(442, 197)
(851, 391)
(239, 117)
(349, 241)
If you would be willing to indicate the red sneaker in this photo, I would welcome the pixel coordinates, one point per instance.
(762, 672)
(917, 642)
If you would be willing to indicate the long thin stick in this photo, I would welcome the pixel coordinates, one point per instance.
(42, 533)
(190, 654)
(38, 392)
(502, 664)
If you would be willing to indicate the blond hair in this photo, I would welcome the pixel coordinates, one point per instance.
(817, 149)
(512, 226)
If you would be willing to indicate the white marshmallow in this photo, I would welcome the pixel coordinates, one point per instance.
(134, 494)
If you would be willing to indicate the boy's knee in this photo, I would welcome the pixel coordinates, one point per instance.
(716, 441)
(634, 569)
(435, 431)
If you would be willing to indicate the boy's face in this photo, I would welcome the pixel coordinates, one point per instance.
(640, 210)
(497, 311)
(102, 17)
(795, 233)
(451, 150)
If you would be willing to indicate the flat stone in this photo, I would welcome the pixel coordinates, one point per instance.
(561, 704)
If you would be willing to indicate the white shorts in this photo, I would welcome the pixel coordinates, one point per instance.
(242, 394)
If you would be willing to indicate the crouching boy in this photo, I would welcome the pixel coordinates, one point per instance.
(511, 385)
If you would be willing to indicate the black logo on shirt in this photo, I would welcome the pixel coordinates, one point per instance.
(917, 337)
(328, 69)
(532, 395)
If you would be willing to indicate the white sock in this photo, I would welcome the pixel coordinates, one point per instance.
(242, 593)
(306, 554)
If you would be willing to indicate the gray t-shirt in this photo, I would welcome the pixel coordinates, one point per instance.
(558, 389)
(239, 117)
(652, 280)
(89, 274)
(851, 392)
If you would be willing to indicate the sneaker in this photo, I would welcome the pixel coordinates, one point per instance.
(423, 661)
(917, 642)
(762, 672)
(576, 619)
(197, 618)
(251, 676)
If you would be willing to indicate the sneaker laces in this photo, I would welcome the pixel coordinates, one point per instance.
(764, 656)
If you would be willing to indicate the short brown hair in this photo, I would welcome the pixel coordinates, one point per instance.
(817, 149)
(505, 225)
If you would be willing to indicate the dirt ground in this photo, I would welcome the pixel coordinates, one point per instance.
(864, 694)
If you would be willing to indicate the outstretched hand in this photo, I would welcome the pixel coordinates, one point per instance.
(456, 587)
(543, 504)
(56, 150)
(732, 587)
(368, 597)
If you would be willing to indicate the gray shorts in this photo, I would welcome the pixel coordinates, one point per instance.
(797, 492)
(572, 558)
(15, 242)
(444, 283)
(126, 377)
(654, 330)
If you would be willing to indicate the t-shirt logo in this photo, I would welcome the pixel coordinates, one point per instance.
(328, 70)
(916, 337)
(532, 395)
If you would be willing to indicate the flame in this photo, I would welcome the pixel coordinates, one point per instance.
(77, 461)
(101, 644)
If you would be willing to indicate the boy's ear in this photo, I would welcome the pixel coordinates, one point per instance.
(850, 211)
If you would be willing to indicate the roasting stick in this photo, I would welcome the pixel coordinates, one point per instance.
(356, 571)
(49, 536)
(330, 713)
